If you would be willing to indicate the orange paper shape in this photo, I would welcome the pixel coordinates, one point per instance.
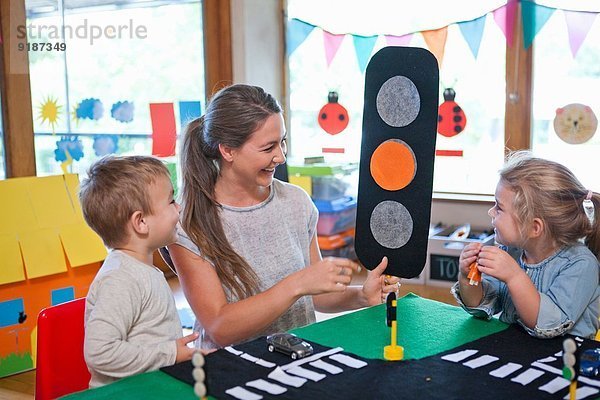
(474, 274)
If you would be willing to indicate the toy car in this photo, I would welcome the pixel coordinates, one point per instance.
(589, 363)
(289, 344)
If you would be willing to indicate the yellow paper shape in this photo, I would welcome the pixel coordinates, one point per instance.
(11, 263)
(72, 182)
(82, 245)
(42, 252)
(305, 182)
(16, 212)
(51, 202)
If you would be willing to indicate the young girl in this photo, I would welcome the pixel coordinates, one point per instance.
(552, 286)
(247, 255)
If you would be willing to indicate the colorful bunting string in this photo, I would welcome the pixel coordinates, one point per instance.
(472, 31)
(578, 25)
(534, 17)
(363, 47)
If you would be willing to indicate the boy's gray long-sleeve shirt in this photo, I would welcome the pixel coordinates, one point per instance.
(131, 322)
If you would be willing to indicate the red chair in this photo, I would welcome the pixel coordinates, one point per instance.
(61, 368)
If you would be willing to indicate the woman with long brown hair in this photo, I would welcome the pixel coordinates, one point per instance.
(247, 256)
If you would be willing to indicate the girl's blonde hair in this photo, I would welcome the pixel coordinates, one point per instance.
(232, 115)
(548, 190)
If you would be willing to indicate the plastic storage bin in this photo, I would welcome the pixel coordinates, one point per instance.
(327, 181)
(329, 187)
(336, 216)
(338, 245)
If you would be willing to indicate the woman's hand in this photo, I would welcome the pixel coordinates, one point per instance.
(377, 286)
(331, 274)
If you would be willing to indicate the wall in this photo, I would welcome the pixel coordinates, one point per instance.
(257, 44)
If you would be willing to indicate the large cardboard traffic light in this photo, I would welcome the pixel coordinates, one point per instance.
(396, 160)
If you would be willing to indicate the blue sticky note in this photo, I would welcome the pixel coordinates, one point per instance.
(63, 295)
(9, 312)
(189, 110)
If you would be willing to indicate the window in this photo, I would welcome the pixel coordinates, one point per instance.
(92, 96)
(562, 78)
(468, 161)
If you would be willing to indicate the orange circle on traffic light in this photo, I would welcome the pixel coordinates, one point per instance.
(393, 165)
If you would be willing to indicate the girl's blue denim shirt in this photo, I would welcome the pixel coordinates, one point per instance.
(568, 283)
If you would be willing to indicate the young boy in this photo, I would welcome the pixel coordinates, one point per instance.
(131, 323)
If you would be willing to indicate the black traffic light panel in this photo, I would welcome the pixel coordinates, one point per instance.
(396, 160)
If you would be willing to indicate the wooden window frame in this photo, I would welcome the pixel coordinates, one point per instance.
(16, 91)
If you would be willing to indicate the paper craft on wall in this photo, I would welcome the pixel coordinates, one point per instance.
(396, 161)
(451, 117)
(105, 144)
(122, 111)
(163, 129)
(49, 255)
(89, 109)
(575, 123)
(188, 111)
(333, 117)
(48, 111)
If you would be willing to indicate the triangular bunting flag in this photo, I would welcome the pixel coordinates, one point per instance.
(472, 31)
(505, 17)
(332, 45)
(534, 18)
(363, 47)
(297, 32)
(403, 40)
(578, 25)
(436, 42)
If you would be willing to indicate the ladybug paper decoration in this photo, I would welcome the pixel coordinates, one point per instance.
(333, 117)
(451, 117)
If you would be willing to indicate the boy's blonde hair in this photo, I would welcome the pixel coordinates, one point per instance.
(116, 187)
(550, 191)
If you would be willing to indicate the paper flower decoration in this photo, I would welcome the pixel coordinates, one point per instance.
(105, 144)
(71, 145)
(89, 108)
(122, 111)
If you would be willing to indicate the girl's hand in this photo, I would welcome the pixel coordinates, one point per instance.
(467, 257)
(331, 274)
(377, 286)
(498, 263)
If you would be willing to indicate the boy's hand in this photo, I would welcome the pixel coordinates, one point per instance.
(184, 352)
(467, 257)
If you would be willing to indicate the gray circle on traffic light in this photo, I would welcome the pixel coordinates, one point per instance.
(398, 101)
(391, 224)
